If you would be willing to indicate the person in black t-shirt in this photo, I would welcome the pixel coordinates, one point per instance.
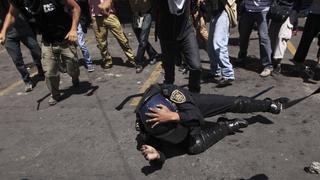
(20, 31)
(177, 36)
(59, 33)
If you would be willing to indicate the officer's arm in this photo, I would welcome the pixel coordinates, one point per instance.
(10, 18)
(72, 34)
(189, 114)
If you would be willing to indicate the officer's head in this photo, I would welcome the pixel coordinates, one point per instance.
(171, 131)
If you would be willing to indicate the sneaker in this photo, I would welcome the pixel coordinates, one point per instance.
(52, 101)
(75, 82)
(90, 68)
(266, 72)
(223, 82)
(107, 66)
(139, 69)
(28, 86)
(130, 63)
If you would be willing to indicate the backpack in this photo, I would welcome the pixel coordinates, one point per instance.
(280, 10)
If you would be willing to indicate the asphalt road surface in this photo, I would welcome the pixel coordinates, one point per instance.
(84, 137)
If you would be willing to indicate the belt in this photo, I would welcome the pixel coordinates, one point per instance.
(62, 43)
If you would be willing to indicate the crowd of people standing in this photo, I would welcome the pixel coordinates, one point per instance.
(181, 26)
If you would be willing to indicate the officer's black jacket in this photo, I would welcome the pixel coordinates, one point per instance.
(189, 112)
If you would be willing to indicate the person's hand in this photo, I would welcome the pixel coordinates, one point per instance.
(72, 36)
(161, 114)
(2, 38)
(149, 153)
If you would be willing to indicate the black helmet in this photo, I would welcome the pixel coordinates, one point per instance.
(171, 131)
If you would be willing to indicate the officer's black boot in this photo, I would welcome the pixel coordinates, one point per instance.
(236, 124)
(206, 137)
(248, 105)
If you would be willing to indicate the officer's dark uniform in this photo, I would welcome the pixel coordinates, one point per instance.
(177, 36)
(192, 130)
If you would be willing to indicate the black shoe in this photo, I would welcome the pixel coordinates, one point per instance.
(305, 71)
(53, 100)
(317, 72)
(75, 82)
(276, 105)
(223, 82)
(139, 69)
(236, 124)
(40, 71)
(28, 86)
(154, 59)
(277, 68)
(183, 68)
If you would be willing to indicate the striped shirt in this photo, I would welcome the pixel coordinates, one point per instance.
(257, 5)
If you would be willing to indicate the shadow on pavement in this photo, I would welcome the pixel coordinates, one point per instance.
(84, 87)
(257, 177)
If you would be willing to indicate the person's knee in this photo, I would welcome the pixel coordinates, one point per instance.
(196, 145)
(240, 104)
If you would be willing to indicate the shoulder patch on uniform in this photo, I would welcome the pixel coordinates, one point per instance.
(177, 97)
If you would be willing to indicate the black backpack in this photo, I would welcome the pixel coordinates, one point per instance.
(280, 10)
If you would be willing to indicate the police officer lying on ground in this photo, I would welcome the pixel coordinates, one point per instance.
(172, 115)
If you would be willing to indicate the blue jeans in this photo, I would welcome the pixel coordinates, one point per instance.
(245, 27)
(82, 45)
(142, 35)
(13, 48)
(218, 46)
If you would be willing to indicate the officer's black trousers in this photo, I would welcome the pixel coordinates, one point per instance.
(211, 104)
(201, 138)
(172, 51)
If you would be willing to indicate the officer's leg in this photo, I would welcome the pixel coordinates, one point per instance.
(190, 51)
(244, 104)
(212, 104)
(204, 137)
